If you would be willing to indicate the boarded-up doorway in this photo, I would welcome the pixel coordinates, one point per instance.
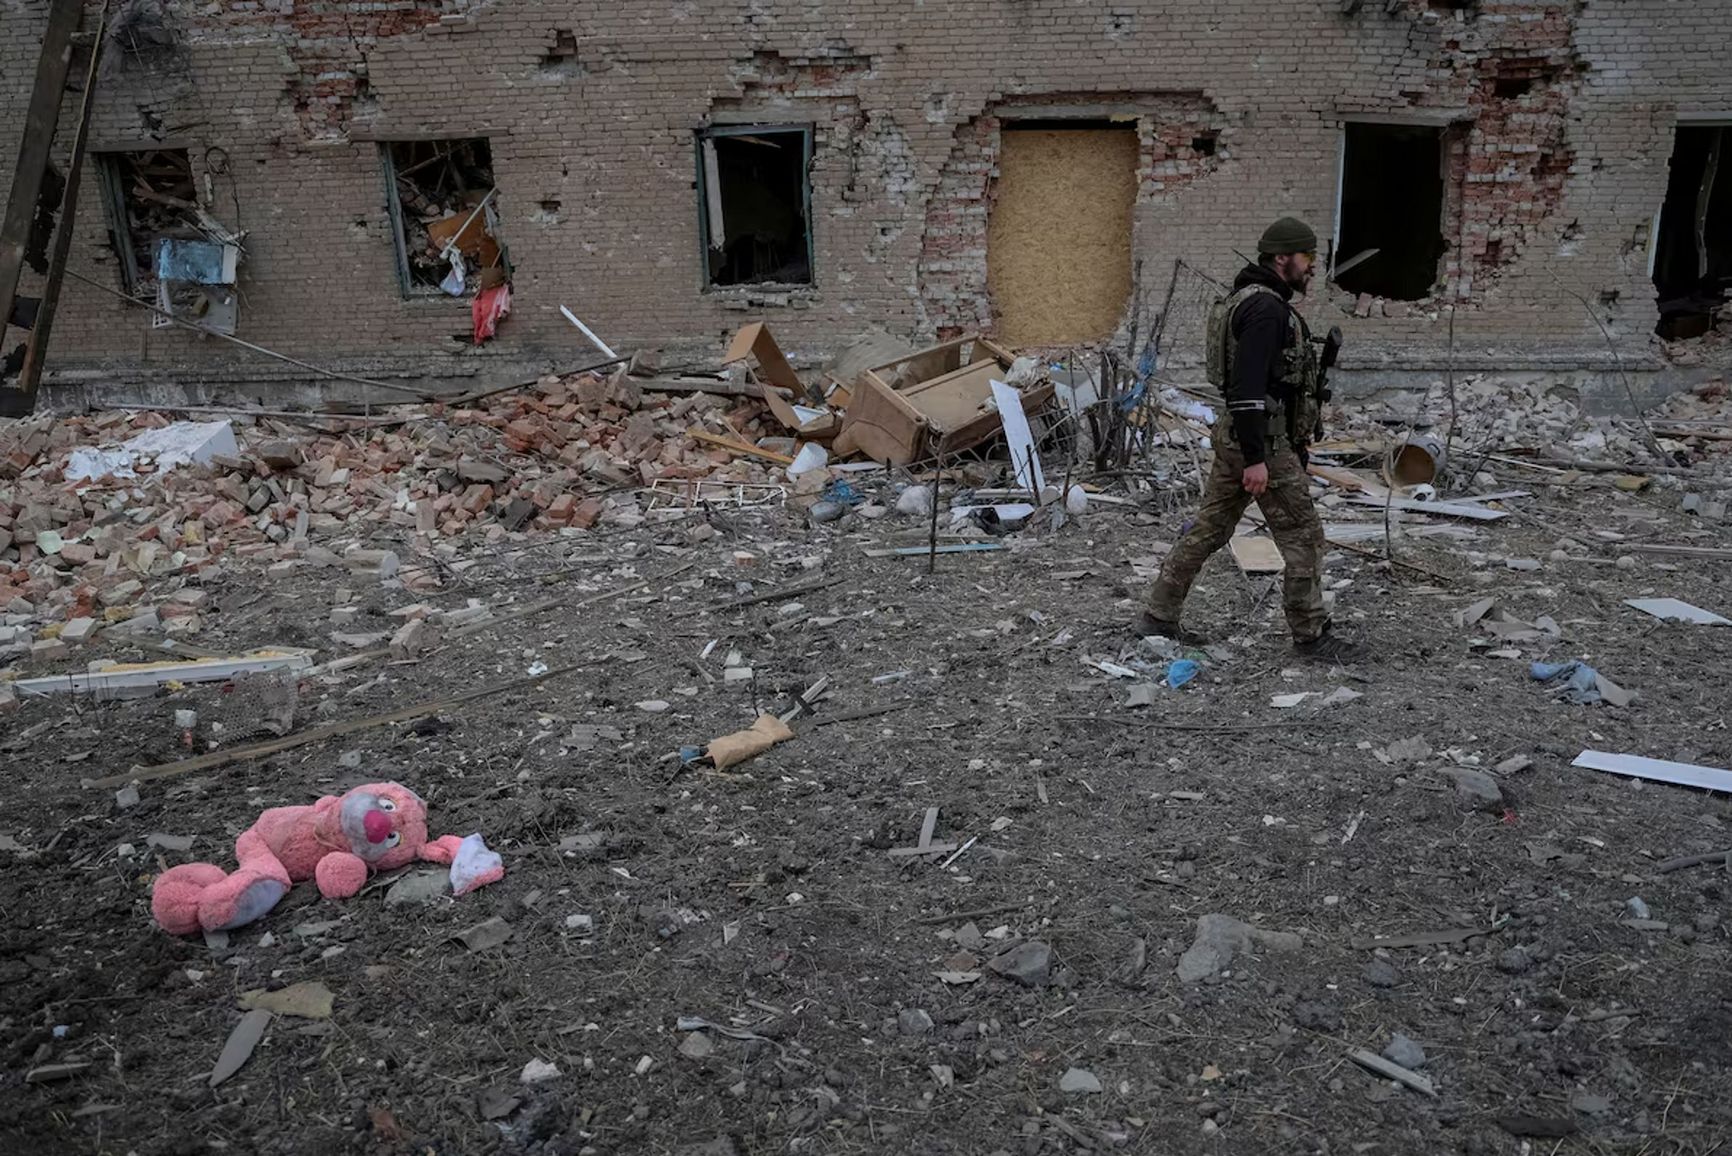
(1058, 245)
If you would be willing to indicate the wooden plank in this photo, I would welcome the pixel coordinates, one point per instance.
(732, 446)
(1346, 479)
(37, 349)
(36, 143)
(1713, 552)
(927, 826)
(1444, 509)
(1372, 1062)
(930, 849)
(1256, 555)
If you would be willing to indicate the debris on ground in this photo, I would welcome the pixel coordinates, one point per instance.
(963, 890)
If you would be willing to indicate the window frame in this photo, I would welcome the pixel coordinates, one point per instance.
(713, 132)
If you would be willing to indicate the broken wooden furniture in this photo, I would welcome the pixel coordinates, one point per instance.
(936, 400)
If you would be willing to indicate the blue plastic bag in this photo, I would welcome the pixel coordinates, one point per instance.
(1180, 671)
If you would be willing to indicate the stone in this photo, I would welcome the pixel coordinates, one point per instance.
(1317, 1015)
(1029, 964)
(913, 1021)
(419, 888)
(587, 513)
(1590, 1105)
(538, 1071)
(1515, 961)
(413, 637)
(1381, 973)
(1408, 750)
(1220, 938)
(1079, 1082)
(1403, 1051)
(1475, 790)
(1637, 908)
(48, 649)
(696, 1046)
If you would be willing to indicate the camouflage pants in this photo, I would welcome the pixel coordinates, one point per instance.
(1292, 521)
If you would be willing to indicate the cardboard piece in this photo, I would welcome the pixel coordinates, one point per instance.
(728, 750)
(784, 392)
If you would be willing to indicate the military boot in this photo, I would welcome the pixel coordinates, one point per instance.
(1148, 624)
(1329, 647)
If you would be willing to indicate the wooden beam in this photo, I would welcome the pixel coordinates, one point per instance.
(36, 143)
(732, 446)
(37, 349)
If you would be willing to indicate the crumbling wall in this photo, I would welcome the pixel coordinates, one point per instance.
(1563, 112)
(1177, 143)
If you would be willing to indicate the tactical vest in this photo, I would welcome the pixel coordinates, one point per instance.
(1300, 370)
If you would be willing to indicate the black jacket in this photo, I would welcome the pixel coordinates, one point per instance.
(1261, 331)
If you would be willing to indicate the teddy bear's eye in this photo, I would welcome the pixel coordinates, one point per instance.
(387, 805)
(395, 839)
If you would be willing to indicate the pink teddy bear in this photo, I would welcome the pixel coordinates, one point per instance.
(337, 841)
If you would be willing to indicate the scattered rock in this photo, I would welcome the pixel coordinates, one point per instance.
(1220, 938)
(1590, 1105)
(1029, 964)
(1403, 1051)
(490, 933)
(419, 887)
(1408, 750)
(1381, 973)
(1079, 1082)
(538, 1072)
(913, 1021)
(1637, 908)
(1317, 1015)
(1475, 789)
(1537, 1127)
(1515, 961)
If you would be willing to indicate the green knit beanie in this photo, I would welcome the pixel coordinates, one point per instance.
(1288, 235)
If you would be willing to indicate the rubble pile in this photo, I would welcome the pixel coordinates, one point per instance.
(551, 458)
(1496, 415)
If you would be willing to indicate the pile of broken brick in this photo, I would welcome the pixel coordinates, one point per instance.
(77, 556)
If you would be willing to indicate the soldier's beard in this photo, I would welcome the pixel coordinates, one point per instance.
(1300, 282)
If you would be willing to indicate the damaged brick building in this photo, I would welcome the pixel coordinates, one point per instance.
(1032, 169)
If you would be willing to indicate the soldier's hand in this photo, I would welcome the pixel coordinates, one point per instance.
(1256, 478)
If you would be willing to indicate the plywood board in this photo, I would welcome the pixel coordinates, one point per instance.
(1256, 555)
(1058, 249)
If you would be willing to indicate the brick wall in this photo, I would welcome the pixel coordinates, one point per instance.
(1564, 115)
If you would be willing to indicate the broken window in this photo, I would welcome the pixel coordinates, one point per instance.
(1693, 251)
(1058, 239)
(444, 215)
(168, 247)
(1392, 201)
(150, 195)
(755, 207)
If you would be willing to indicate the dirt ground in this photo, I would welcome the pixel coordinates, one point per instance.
(765, 901)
